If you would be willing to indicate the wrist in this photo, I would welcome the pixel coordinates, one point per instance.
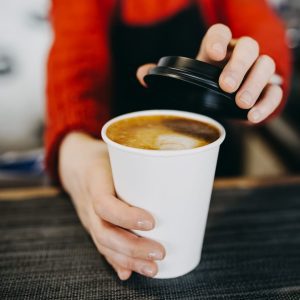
(77, 152)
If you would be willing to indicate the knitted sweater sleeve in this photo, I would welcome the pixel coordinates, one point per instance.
(78, 72)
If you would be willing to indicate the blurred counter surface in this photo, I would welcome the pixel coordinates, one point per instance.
(251, 246)
(16, 186)
(21, 171)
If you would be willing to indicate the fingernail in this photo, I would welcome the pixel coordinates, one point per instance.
(145, 224)
(246, 98)
(122, 275)
(217, 47)
(230, 82)
(155, 255)
(255, 115)
(148, 271)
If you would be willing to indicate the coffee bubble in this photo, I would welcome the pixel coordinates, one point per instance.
(176, 141)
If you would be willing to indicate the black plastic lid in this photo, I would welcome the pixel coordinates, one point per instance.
(195, 80)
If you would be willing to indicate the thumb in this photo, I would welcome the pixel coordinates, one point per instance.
(142, 71)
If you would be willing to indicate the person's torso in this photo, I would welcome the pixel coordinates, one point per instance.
(136, 41)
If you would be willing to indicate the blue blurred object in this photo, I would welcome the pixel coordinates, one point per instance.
(28, 162)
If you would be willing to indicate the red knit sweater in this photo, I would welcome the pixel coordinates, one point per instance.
(79, 101)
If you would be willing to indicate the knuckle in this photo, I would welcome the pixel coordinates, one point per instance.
(250, 42)
(100, 207)
(256, 86)
(103, 252)
(134, 252)
(269, 61)
(137, 248)
(128, 263)
(220, 31)
(93, 193)
(100, 240)
(112, 215)
(124, 220)
(237, 66)
(134, 246)
(240, 65)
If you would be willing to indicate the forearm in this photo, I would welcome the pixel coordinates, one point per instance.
(77, 153)
(78, 86)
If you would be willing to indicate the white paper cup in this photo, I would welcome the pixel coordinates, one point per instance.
(174, 186)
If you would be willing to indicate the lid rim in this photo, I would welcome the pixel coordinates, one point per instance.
(177, 75)
(188, 78)
(189, 64)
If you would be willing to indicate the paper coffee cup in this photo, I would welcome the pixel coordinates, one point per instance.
(174, 186)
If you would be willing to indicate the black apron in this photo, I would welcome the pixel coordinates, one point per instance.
(133, 46)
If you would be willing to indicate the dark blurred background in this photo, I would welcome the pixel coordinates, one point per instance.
(282, 135)
(25, 38)
(274, 149)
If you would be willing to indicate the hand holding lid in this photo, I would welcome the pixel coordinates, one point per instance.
(233, 80)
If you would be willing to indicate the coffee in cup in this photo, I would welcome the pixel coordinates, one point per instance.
(162, 132)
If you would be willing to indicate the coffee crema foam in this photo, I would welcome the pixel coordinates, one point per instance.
(162, 132)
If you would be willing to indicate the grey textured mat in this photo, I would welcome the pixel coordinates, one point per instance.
(251, 251)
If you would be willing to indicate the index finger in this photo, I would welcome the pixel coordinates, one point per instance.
(214, 44)
(107, 206)
(118, 212)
